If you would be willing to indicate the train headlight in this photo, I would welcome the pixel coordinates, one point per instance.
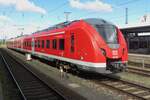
(103, 51)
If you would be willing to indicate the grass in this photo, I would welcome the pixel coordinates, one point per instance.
(2, 45)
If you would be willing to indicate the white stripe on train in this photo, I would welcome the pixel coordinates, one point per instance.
(79, 62)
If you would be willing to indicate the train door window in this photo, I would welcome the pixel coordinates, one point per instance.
(42, 43)
(35, 44)
(61, 44)
(47, 43)
(38, 43)
(72, 42)
(32, 44)
(54, 44)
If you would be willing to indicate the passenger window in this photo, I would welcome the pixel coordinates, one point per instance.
(38, 43)
(54, 44)
(42, 43)
(27, 43)
(72, 42)
(47, 43)
(61, 44)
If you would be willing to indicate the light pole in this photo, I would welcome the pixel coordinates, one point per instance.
(126, 16)
(21, 29)
(67, 15)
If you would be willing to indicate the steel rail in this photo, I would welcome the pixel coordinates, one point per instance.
(125, 86)
(138, 71)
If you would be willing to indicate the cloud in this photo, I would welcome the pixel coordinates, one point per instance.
(7, 2)
(4, 19)
(96, 5)
(23, 5)
(16, 29)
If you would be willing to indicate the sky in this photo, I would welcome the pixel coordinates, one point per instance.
(27, 16)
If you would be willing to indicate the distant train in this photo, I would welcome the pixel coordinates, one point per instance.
(92, 44)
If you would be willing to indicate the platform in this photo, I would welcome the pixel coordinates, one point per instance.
(139, 58)
(139, 55)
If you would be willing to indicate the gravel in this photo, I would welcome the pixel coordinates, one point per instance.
(9, 89)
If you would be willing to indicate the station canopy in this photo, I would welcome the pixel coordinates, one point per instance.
(136, 28)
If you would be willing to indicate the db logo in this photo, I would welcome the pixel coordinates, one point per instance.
(114, 52)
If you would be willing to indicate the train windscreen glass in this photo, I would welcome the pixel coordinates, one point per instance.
(108, 33)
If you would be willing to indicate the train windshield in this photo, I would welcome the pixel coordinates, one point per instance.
(108, 33)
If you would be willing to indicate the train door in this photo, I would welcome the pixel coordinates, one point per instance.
(61, 45)
(72, 45)
(32, 45)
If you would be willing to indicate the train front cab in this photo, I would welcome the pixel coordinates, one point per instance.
(111, 44)
(116, 51)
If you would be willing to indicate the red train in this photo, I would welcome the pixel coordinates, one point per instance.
(91, 45)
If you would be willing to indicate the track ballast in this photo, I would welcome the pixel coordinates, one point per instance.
(29, 85)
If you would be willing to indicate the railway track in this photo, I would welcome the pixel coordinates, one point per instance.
(29, 85)
(139, 71)
(124, 86)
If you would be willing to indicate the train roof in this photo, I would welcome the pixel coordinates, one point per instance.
(92, 21)
(60, 25)
(97, 21)
(57, 26)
